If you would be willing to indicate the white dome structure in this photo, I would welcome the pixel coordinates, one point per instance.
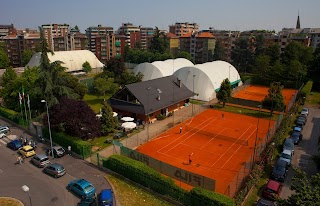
(205, 79)
(160, 69)
(72, 60)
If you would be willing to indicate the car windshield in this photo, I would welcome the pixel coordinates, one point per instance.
(286, 156)
(88, 188)
(278, 168)
(107, 201)
(270, 190)
(28, 150)
(295, 135)
(45, 159)
(60, 150)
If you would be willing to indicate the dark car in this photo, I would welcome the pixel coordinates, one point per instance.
(106, 198)
(299, 123)
(288, 144)
(279, 171)
(297, 129)
(14, 145)
(302, 120)
(264, 202)
(91, 201)
(56, 170)
(296, 137)
(57, 151)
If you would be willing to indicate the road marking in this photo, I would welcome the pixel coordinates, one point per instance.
(12, 136)
(3, 142)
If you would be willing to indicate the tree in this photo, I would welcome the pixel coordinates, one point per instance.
(75, 118)
(8, 77)
(224, 93)
(273, 51)
(183, 54)
(259, 49)
(128, 77)
(115, 65)
(104, 86)
(159, 42)
(108, 122)
(4, 59)
(26, 56)
(219, 52)
(306, 190)
(86, 67)
(274, 99)
(296, 51)
(242, 54)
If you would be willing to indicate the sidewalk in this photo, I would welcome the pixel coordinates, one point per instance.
(155, 129)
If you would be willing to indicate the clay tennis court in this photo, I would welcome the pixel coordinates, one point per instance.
(219, 145)
(257, 93)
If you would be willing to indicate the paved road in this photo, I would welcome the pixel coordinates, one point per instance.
(304, 151)
(44, 189)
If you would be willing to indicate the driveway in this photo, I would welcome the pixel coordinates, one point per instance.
(44, 189)
(304, 151)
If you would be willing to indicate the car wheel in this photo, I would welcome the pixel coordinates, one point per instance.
(55, 176)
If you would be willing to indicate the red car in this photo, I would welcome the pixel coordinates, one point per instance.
(272, 190)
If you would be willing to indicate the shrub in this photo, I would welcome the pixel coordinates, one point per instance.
(11, 115)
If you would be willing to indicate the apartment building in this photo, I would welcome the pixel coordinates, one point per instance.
(15, 45)
(6, 30)
(54, 30)
(200, 45)
(72, 41)
(120, 43)
(288, 35)
(145, 34)
(180, 29)
(131, 32)
(173, 44)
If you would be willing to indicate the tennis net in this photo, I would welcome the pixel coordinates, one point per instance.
(218, 136)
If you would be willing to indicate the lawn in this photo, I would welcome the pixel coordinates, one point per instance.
(193, 101)
(313, 99)
(245, 111)
(8, 202)
(94, 102)
(128, 194)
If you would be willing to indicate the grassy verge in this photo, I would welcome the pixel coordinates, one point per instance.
(192, 101)
(94, 102)
(245, 111)
(313, 99)
(8, 202)
(128, 194)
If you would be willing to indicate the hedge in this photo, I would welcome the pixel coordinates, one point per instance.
(148, 177)
(78, 146)
(11, 115)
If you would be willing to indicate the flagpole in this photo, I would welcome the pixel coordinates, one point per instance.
(28, 102)
(20, 98)
(24, 103)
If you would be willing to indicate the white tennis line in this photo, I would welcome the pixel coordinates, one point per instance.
(234, 152)
(190, 121)
(160, 137)
(181, 136)
(190, 135)
(197, 148)
(211, 139)
(232, 145)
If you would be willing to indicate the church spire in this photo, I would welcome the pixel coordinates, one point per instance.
(298, 22)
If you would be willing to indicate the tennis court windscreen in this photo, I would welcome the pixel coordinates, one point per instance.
(254, 93)
(214, 135)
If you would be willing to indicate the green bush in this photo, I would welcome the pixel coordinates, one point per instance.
(11, 115)
(161, 117)
(148, 177)
(78, 146)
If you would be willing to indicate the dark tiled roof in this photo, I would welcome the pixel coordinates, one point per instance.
(166, 87)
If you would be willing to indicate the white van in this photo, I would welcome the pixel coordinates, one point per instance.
(4, 129)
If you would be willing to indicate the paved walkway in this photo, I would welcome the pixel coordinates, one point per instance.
(155, 129)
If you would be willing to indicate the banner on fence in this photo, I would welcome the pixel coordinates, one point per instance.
(171, 171)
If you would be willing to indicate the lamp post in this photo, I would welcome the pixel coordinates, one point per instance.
(193, 92)
(255, 142)
(26, 189)
(44, 101)
(148, 88)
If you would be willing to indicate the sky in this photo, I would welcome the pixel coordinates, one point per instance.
(223, 14)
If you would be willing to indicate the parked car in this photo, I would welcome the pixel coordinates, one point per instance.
(288, 144)
(57, 151)
(297, 129)
(2, 135)
(88, 202)
(303, 120)
(272, 190)
(27, 151)
(4, 129)
(40, 160)
(264, 202)
(305, 111)
(300, 123)
(303, 117)
(279, 171)
(14, 145)
(286, 155)
(82, 188)
(106, 198)
(296, 137)
(56, 170)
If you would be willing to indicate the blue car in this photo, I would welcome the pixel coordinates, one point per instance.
(106, 198)
(14, 145)
(82, 188)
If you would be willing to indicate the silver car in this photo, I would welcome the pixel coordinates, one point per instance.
(40, 160)
(56, 170)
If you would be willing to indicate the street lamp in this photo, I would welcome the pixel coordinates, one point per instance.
(148, 88)
(193, 93)
(255, 142)
(26, 189)
(44, 101)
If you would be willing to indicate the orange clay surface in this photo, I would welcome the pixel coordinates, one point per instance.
(211, 157)
(257, 93)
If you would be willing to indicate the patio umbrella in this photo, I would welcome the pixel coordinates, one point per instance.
(129, 125)
(127, 119)
(115, 114)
